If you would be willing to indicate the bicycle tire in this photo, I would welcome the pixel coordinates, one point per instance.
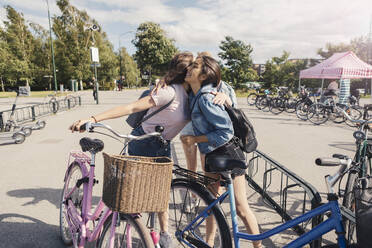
(180, 214)
(317, 114)
(140, 235)
(355, 114)
(76, 197)
(264, 104)
(18, 137)
(290, 105)
(276, 106)
(27, 131)
(53, 105)
(251, 99)
(348, 202)
(71, 100)
(301, 111)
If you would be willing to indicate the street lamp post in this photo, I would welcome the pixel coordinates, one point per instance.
(120, 50)
(51, 43)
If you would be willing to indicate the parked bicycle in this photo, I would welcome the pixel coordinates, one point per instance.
(12, 125)
(319, 113)
(254, 96)
(361, 166)
(110, 229)
(192, 205)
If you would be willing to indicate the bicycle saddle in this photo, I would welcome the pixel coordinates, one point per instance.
(223, 164)
(91, 145)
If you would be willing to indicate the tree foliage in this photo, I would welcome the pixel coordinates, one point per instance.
(280, 71)
(237, 62)
(154, 49)
(129, 69)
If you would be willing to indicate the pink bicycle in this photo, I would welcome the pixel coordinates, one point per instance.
(78, 225)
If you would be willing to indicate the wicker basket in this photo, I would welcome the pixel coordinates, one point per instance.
(133, 184)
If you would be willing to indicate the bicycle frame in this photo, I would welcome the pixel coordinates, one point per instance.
(333, 222)
(76, 220)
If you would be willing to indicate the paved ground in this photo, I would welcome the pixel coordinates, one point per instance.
(32, 173)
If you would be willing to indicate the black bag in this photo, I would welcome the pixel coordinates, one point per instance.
(136, 119)
(243, 129)
(363, 212)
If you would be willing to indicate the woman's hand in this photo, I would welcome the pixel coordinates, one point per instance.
(160, 85)
(188, 140)
(221, 98)
(77, 124)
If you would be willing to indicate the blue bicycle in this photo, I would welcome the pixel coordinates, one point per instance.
(192, 206)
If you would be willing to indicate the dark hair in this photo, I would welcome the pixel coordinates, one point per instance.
(211, 69)
(178, 68)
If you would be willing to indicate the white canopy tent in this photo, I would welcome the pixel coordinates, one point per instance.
(339, 66)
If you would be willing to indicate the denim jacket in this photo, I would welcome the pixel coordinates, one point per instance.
(210, 119)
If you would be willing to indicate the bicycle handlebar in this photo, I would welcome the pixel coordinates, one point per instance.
(335, 161)
(89, 126)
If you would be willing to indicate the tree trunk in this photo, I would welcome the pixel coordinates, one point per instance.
(2, 84)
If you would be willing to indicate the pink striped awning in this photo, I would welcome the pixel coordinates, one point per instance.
(339, 65)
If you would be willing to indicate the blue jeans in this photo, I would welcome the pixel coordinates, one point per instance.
(150, 147)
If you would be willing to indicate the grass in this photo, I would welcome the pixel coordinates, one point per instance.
(33, 94)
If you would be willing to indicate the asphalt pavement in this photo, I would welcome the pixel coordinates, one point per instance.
(32, 173)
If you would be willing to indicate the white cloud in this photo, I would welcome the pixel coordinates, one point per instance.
(271, 26)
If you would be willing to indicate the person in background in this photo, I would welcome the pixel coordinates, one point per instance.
(121, 83)
(331, 89)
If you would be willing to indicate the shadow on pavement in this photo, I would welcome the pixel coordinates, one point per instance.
(24, 231)
(344, 146)
(40, 194)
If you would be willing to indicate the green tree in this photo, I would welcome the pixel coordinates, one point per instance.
(129, 68)
(19, 42)
(237, 67)
(280, 71)
(154, 49)
(73, 39)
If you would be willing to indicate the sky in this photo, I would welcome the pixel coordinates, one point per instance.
(270, 26)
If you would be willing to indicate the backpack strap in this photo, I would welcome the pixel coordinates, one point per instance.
(157, 111)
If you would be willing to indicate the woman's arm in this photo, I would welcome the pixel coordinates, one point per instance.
(134, 107)
(191, 140)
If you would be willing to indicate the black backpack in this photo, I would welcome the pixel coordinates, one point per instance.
(243, 128)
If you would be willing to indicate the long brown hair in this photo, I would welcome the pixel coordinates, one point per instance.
(178, 68)
(211, 69)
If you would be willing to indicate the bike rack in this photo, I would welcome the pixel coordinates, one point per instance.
(31, 113)
(265, 175)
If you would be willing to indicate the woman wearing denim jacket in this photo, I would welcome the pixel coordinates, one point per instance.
(214, 135)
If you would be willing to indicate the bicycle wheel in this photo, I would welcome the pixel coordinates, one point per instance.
(53, 105)
(276, 106)
(263, 104)
(337, 117)
(73, 176)
(27, 131)
(355, 114)
(290, 105)
(317, 114)
(349, 203)
(188, 200)
(251, 99)
(301, 111)
(129, 232)
(70, 101)
(18, 137)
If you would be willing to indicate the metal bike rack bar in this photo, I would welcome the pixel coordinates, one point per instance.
(31, 113)
(265, 175)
